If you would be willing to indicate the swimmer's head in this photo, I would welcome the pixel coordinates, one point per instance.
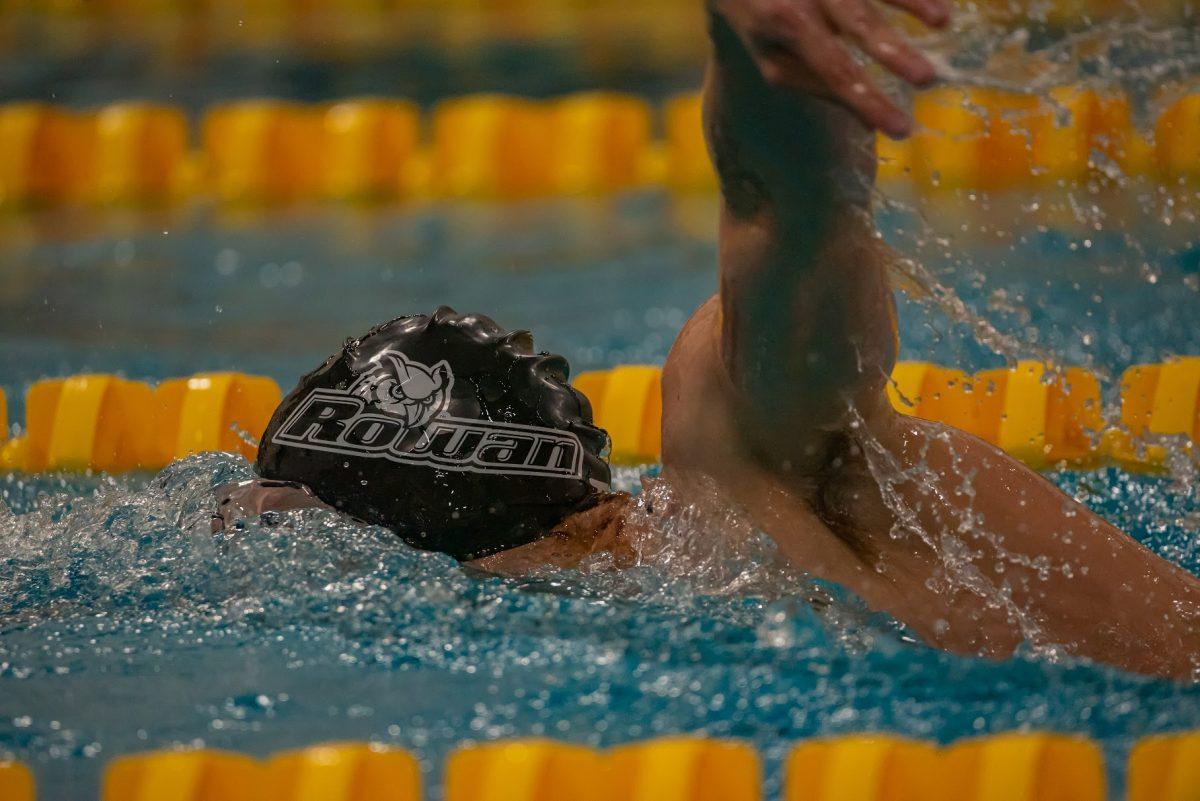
(445, 428)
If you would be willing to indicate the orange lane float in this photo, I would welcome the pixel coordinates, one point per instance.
(86, 422)
(1047, 418)
(16, 782)
(946, 144)
(1115, 137)
(183, 776)
(369, 144)
(1005, 153)
(1175, 138)
(1061, 136)
(685, 769)
(263, 151)
(490, 146)
(1002, 767)
(599, 143)
(45, 154)
(110, 424)
(627, 403)
(1009, 766)
(864, 768)
(1158, 401)
(141, 154)
(343, 772)
(970, 138)
(1023, 767)
(526, 770)
(1165, 768)
(205, 412)
(1043, 419)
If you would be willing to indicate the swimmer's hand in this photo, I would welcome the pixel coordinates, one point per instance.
(803, 44)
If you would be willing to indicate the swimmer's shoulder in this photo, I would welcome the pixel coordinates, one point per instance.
(697, 422)
(605, 532)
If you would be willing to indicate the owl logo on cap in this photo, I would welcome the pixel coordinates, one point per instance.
(413, 392)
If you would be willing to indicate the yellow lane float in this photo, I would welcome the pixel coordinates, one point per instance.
(945, 145)
(1157, 401)
(599, 143)
(1024, 767)
(204, 413)
(1042, 418)
(1004, 155)
(1012, 766)
(1061, 136)
(369, 144)
(526, 770)
(343, 772)
(969, 138)
(1114, 135)
(45, 154)
(1175, 138)
(183, 776)
(87, 422)
(490, 146)
(627, 403)
(503, 147)
(16, 782)
(141, 154)
(684, 769)
(1165, 768)
(263, 151)
(105, 423)
(1074, 123)
(863, 768)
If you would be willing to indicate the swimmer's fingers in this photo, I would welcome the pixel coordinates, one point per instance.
(867, 27)
(808, 48)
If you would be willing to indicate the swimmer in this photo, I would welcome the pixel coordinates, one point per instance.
(462, 438)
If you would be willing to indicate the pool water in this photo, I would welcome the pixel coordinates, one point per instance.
(126, 625)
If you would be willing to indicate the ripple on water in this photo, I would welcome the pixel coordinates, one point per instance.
(127, 625)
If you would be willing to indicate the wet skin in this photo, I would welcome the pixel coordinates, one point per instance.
(774, 390)
(774, 402)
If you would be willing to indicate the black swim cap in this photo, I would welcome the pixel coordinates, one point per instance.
(445, 428)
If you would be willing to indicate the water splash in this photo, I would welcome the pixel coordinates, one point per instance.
(126, 625)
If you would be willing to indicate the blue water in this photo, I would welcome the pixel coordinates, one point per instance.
(603, 281)
(124, 625)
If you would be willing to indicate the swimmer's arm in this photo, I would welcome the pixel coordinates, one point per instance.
(806, 310)
(1008, 550)
(805, 330)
